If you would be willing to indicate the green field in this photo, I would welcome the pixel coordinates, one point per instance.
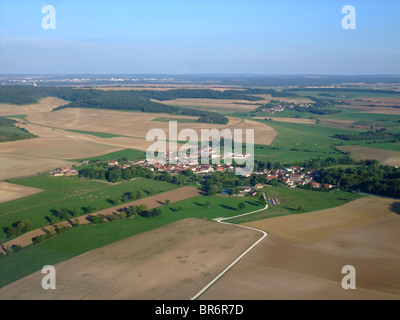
(301, 142)
(130, 154)
(9, 132)
(291, 198)
(71, 193)
(179, 120)
(97, 134)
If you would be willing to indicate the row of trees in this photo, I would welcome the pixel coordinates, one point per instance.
(369, 135)
(18, 228)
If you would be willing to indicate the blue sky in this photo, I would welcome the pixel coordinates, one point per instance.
(200, 36)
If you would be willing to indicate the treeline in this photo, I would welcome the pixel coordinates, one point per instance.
(119, 100)
(116, 174)
(272, 92)
(197, 94)
(369, 135)
(372, 178)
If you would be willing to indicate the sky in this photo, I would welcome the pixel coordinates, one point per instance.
(199, 37)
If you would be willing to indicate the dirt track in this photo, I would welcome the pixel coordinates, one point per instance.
(11, 191)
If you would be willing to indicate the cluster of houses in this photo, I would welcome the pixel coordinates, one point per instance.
(292, 176)
(66, 171)
(297, 176)
(283, 106)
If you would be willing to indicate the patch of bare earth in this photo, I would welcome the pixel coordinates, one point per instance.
(386, 157)
(280, 267)
(10, 191)
(172, 262)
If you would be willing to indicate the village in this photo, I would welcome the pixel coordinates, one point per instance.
(280, 106)
(294, 176)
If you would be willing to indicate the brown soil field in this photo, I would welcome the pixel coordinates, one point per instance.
(385, 157)
(314, 226)
(151, 202)
(172, 262)
(279, 268)
(13, 165)
(10, 191)
(46, 104)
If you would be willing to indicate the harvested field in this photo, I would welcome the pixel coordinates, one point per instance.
(13, 165)
(217, 105)
(10, 191)
(44, 105)
(172, 262)
(55, 144)
(136, 124)
(314, 226)
(151, 202)
(279, 268)
(385, 157)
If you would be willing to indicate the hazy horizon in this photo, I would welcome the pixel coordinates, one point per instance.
(209, 37)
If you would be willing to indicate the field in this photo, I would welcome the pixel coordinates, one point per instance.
(10, 191)
(301, 257)
(71, 193)
(44, 105)
(279, 268)
(300, 142)
(150, 202)
(184, 256)
(316, 225)
(134, 125)
(291, 198)
(386, 157)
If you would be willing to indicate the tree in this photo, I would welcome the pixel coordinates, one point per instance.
(208, 204)
(180, 209)
(154, 213)
(63, 214)
(300, 208)
(241, 206)
(126, 174)
(167, 201)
